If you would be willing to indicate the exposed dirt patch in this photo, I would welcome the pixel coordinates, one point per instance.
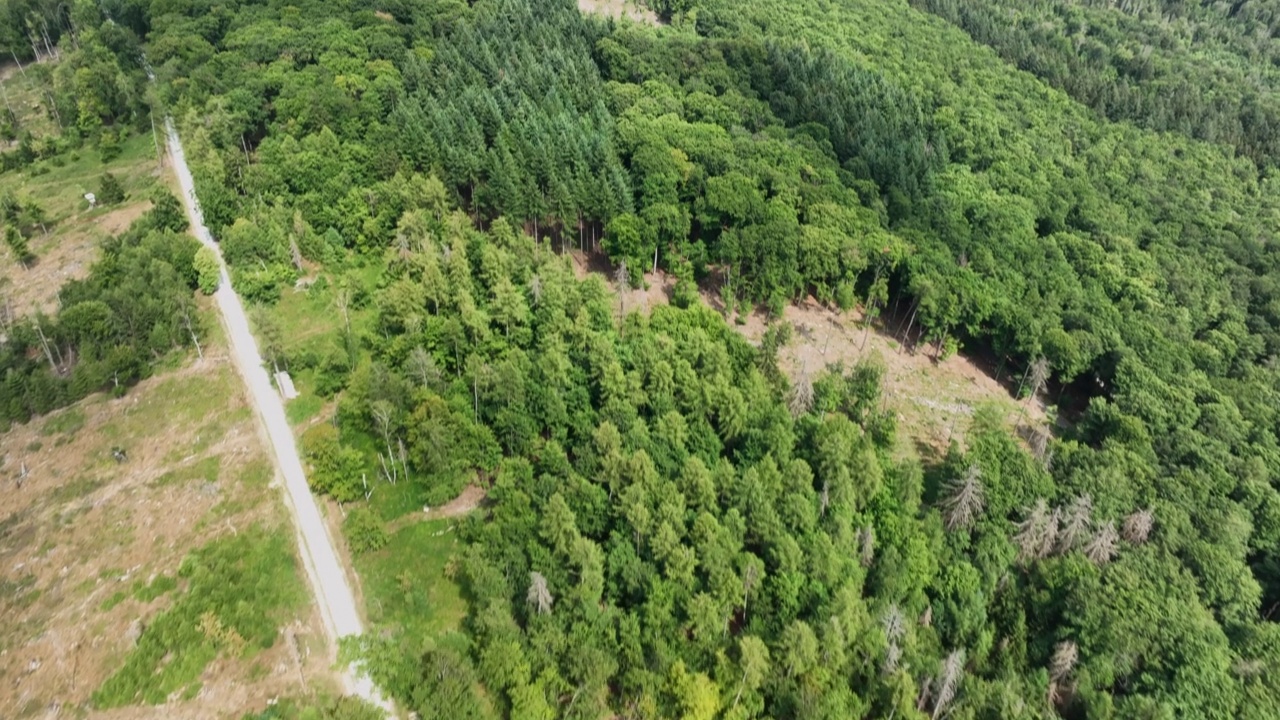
(65, 254)
(656, 289)
(469, 499)
(619, 9)
(82, 529)
(934, 399)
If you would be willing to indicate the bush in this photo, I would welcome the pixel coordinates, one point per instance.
(335, 470)
(208, 270)
(845, 298)
(109, 146)
(364, 530)
(167, 213)
(236, 588)
(110, 192)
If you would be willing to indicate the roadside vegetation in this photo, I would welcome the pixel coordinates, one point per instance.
(165, 576)
(679, 522)
(148, 572)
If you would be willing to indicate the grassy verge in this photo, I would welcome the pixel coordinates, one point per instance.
(407, 586)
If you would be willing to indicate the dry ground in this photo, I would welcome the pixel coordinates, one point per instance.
(619, 9)
(934, 400)
(75, 231)
(62, 256)
(82, 527)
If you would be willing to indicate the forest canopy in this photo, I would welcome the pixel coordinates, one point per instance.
(673, 526)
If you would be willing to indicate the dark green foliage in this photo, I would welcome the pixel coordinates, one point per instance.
(18, 245)
(1203, 69)
(664, 534)
(129, 311)
(109, 190)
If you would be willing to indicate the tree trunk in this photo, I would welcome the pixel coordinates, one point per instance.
(44, 343)
(910, 324)
(187, 320)
(19, 63)
(741, 685)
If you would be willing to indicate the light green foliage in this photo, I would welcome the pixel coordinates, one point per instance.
(208, 270)
(364, 530)
(334, 469)
(698, 547)
(233, 594)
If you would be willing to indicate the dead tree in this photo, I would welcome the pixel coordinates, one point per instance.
(622, 277)
(1101, 549)
(866, 546)
(1037, 533)
(800, 400)
(964, 500)
(539, 596)
(382, 416)
(186, 322)
(948, 682)
(1137, 527)
(1076, 523)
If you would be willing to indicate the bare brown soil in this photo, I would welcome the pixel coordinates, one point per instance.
(81, 528)
(471, 497)
(619, 9)
(61, 257)
(934, 399)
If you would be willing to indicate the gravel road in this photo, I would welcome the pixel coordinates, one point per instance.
(328, 580)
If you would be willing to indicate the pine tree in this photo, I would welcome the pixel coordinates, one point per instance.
(110, 191)
(18, 245)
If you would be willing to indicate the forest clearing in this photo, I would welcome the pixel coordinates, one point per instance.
(921, 364)
(93, 549)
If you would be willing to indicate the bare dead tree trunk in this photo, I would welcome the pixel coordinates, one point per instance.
(910, 324)
(19, 63)
(186, 321)
(53, 107)
(295, 254)
(44, 343)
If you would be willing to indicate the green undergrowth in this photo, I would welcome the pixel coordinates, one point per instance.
(407, 583)
(235, 590)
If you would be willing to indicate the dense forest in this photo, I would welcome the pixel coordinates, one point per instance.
(1207, 70)
(674, 527)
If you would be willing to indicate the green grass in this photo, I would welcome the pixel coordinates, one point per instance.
(25, 97)
(237, 590)
(306, 406)
(66, 422)
(60, 182)
(161, 584)
(113, 600)
(75, 490)
(205, 469)
(395, 501)
(405, 586)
